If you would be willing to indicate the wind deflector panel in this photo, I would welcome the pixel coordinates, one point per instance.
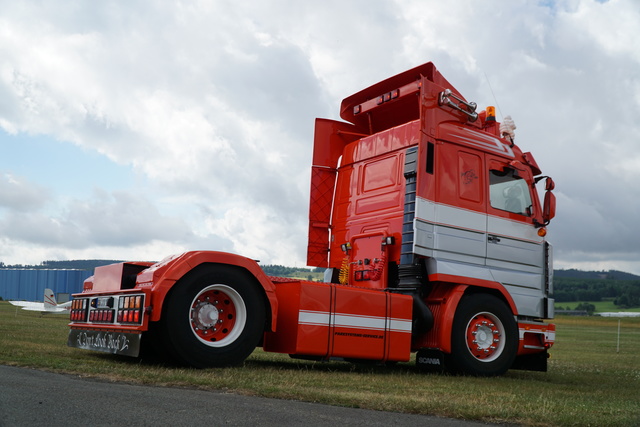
(330, 139)
(391, 102)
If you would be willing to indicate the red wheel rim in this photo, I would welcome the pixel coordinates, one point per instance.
(485, 337)
(217, 315)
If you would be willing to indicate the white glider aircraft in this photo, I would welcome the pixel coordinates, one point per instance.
(48, 306)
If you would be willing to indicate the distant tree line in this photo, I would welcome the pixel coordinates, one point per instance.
(624, 293)
(83, 264)
(581, 274)
(586, 307)
(282, 271)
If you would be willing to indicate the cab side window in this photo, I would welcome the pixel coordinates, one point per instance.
(508, 192)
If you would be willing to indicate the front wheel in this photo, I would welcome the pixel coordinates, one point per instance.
(214, 317)
(484, 336)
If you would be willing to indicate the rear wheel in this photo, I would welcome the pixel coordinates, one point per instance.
(215, 317)
(484, 336)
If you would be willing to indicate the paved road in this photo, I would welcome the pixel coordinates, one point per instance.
(35, 398)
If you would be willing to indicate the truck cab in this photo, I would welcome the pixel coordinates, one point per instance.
(430, 199)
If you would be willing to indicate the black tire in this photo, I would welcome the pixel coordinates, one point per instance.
(214, 317)
(484, 337)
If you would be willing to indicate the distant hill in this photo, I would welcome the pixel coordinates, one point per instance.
(593, 286)
(607, 275)
(84, 264)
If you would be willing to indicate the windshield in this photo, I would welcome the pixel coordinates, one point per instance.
(509, 192)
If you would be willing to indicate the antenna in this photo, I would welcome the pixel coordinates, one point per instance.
(494, 95)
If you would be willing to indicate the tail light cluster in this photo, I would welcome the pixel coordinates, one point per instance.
(79, 310)
(130, 309)
(122, 309)
(102, 315)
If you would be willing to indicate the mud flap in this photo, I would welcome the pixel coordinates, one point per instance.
(431, 360)
(122, 343)
(532, 362)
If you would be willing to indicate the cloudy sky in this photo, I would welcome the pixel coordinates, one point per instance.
(138, 129)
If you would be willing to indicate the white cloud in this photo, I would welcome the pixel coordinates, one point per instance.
(17, 193)
(212, 104)
(611, 25)
(117, 219)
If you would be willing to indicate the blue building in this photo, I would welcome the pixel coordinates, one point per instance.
(29, 284)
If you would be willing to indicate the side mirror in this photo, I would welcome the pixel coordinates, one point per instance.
(549, 185)
(549, 208)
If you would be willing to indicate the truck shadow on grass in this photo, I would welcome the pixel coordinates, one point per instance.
(282, 362)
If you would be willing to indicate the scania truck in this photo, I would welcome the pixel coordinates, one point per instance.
(430, 223)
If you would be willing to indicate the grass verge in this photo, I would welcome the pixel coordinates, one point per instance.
(593, 378)
(606, 305)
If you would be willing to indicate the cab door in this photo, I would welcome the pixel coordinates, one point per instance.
(515, 252)
(452, 228)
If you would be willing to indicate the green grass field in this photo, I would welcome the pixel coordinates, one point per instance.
(606, 305)
(592, 381)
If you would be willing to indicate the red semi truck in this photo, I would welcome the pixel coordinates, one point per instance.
(427, 219)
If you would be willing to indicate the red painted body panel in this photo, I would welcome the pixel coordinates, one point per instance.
(109, 277)
(328, 320)
(291, 337)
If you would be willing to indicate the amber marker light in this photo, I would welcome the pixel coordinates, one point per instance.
(542, 232)
(491, 114)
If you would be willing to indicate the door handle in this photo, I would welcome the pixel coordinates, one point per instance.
(493, 239)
